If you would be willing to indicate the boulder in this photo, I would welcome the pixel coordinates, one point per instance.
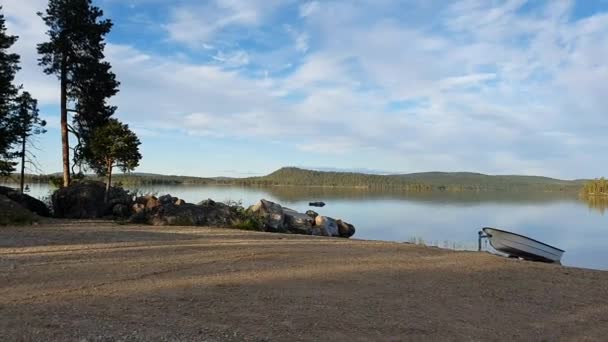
(138, 208)
(13, 213)
(297, 223)
(149, 202)
(121, 211)
(272, 215)
(327, 225)
(85, 200)
(28, 202)
(167, 199)
(345, 229)
(216, 215)
(207, 202)
(180, 202)
(312, 214)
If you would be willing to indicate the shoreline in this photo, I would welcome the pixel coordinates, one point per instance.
(95, 280)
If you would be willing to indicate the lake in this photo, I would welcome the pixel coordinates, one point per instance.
(449, 220)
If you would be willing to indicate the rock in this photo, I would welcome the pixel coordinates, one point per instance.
(312, 214)
(13, 213)
(138, 208)
(85, 200)
(167, 199)
(317, 204)
(327, 225)
(180, 202)
(345, 229)
(28, 202)
(297, 223)
(217, 215)
(149, 202)
(272, 215)
(207, 202)
(121, 211)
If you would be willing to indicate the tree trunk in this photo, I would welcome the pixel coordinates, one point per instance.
(65, 142)
(109, 183)
(22, 182)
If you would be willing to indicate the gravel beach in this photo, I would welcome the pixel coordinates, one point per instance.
(99, 281)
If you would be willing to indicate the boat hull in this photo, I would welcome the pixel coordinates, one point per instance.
(516, 245)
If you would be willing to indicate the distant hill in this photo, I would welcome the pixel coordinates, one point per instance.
(419, 182)
(426, 181)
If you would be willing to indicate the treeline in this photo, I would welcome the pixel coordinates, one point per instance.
(417, 182)
(596, 188)
(124, 179)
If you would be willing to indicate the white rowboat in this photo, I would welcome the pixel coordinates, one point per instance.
(516, 245)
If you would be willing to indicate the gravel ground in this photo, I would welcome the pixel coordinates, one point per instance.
(97, 281)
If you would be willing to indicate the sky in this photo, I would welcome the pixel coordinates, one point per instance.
(244, 87)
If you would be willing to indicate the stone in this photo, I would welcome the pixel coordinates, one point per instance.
(180, 202)
(13, 213)
(317, 204)
(297, 223)
(167, 199)
(121, 211)
(272, 215)
(217, 215)
(327, 225)
(138, 208)
(312, 214)
(149, 202)
(28, 202)
(86, 200)
(345, 229)
(207, 202)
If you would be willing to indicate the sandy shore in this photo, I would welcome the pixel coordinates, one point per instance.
(104, 282)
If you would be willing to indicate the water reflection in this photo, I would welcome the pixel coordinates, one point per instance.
(599, 204)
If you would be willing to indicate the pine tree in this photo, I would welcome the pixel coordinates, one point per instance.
(113, 145)
(75, 54)
(9, 65)
(27, 123)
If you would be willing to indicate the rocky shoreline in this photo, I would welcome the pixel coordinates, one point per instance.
(86, 200)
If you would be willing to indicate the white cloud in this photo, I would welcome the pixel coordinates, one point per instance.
(309, 8)
(503, 90)
(196, 25)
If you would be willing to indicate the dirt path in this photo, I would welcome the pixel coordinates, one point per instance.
(97, 281)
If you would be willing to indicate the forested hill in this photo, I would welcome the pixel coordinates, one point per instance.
(427, 181)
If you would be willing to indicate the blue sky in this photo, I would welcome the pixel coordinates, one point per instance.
(241, 87)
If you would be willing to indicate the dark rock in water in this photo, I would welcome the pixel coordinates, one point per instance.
(312, 214)
(85, 200)
(345, 229)
(317, 204)
(26, 201)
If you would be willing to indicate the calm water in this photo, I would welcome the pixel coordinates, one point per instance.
(444, 219)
